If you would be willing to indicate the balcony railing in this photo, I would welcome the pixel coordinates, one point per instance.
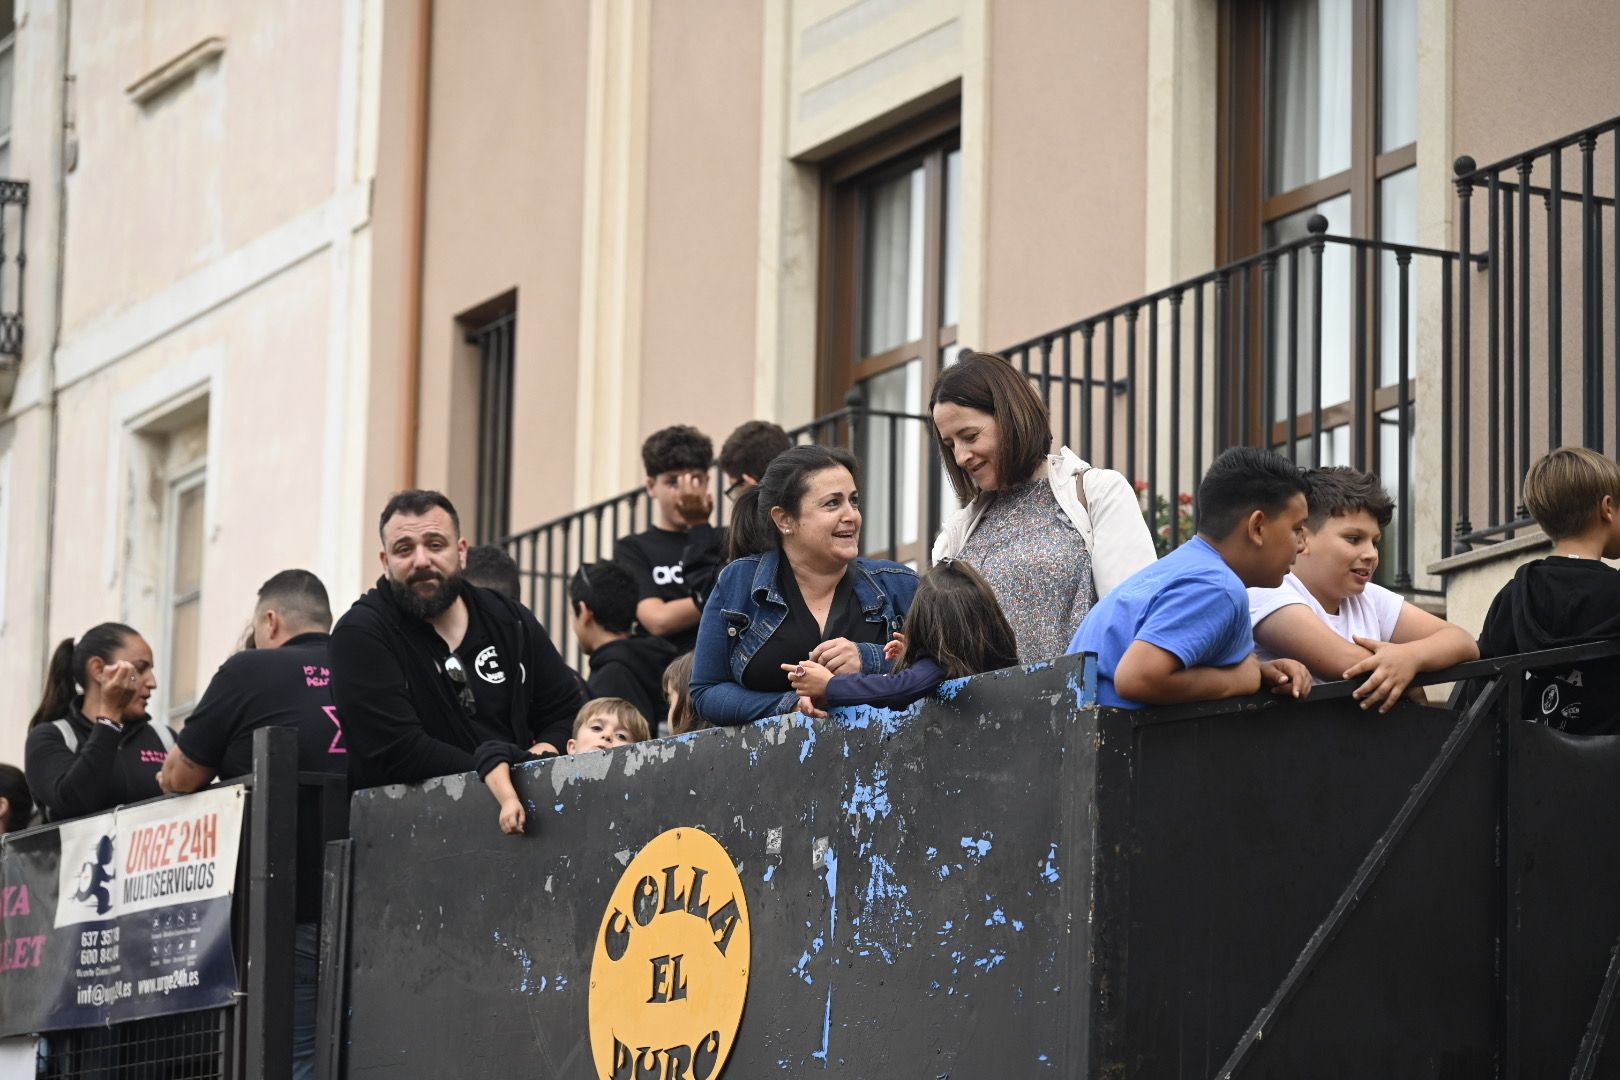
(1550, 316)
(1308, 347)
(13, 261)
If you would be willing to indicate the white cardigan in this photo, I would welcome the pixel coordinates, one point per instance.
(1114, 530)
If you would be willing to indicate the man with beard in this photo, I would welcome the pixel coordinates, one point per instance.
(426, 667)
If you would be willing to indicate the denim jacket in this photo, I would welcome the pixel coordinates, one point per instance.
(746, 608)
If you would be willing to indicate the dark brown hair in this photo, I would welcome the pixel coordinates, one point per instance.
(786, 482)
(69, 668)
(750, 449)
(989, 384)
(678, 687)
(1336, 490)
(956, 620)
(14, 789)
(417, 502)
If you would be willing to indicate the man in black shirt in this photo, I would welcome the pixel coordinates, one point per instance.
(426, 667)
(283, 681)
(623, 665)
(677, 460)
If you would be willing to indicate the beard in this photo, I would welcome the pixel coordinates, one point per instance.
(435, 603)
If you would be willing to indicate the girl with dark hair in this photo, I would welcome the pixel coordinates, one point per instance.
(809, 597)
(16, 804)
(1050, 533)
(954, 629)
(91, 751)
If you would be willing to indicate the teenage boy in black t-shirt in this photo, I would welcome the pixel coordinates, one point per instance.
(677, 460)
(426, 668)
(1568, 598)
(284, 680)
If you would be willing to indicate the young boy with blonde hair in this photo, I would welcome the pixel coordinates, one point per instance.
(601, 724)
(1571, 596)
(1331, 616)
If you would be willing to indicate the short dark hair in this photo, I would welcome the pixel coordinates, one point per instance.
(676, 449)
(491, 567)
(416, 502)
(788, 479)
(750, 449)
(988, 383)
(299, 597)
(14, 789)
(1240, 481)
(1336, 490)
(611, 592)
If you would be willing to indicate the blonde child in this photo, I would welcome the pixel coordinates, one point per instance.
(954, 628)
(600, 724)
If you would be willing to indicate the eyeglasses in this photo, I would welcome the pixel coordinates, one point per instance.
(737, 488)
(458, 675)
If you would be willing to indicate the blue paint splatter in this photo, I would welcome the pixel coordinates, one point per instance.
(929, 855)
(997, 918)
(558, 808)
(809, 742)
(989, 963)
(949, 925)
(950, 688)
(1049, 867)
(802, 969)
(1017, 926)
(826, 1030)
(870, 800)
(978, 848)
(770, 872)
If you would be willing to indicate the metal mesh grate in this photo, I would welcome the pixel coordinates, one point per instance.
(190, 1046)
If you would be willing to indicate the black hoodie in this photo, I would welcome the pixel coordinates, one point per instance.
(633, 668)
(1552, 603)
(110, 767)
(402, 719)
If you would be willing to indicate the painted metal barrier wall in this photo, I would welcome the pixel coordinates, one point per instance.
(1004, 882)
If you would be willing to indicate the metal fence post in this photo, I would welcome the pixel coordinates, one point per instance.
(272, 863)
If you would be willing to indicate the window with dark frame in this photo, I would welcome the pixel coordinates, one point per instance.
(1319, 116)
(890, 302)
(496, 340)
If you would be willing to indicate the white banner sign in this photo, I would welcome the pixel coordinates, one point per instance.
(149, 856)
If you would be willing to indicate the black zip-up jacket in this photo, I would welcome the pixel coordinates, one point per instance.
(401, 718)
(633, 668)
(111, 768)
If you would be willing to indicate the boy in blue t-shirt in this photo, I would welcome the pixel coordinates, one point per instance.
(1178, 630)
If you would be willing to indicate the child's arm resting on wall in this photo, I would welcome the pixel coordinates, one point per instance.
(1423, 642)
(1155, 676)
(494, 765)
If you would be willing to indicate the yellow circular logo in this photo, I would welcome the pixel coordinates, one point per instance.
(670, 971)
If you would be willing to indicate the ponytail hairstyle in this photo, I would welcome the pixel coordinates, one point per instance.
(69, 668)
(751, 532)
(19, 801)
(788, 479)
(955, 619)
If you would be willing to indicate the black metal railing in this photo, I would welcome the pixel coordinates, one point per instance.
(1308, 348)
(13, 261)
(1543, 383)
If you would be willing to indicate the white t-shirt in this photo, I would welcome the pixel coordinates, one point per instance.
(1373, 614)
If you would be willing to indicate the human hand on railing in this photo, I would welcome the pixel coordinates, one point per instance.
(808, 707)
(693, 500)
(1389, 670)
(808, 679)
(542, 749)
(895, 648)
(840, 656)
(1286, 677)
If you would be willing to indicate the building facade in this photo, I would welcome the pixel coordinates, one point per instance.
(285, 258)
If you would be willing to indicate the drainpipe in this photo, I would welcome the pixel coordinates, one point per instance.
(66, 151)
(413, 350)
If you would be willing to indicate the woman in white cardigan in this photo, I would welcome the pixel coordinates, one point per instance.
(1049, 533)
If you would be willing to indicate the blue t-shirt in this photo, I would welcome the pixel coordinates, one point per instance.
(1189, 603)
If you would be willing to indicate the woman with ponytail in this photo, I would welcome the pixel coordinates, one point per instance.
(91, 746)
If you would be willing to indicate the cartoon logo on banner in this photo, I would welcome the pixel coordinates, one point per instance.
(670, 972)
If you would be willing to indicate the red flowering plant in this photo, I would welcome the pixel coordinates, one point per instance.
(1161, 516)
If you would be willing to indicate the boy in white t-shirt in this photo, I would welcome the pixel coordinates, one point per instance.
(1329, 615)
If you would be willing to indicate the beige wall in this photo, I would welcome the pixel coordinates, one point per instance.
(505, 144)
(1066, 161)
(702, 220)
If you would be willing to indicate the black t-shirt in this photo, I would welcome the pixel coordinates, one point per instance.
(799, 634)
(289, 686)
(655, 558)
(255, 688)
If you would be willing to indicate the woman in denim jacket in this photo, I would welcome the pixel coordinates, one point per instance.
(809, 598)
